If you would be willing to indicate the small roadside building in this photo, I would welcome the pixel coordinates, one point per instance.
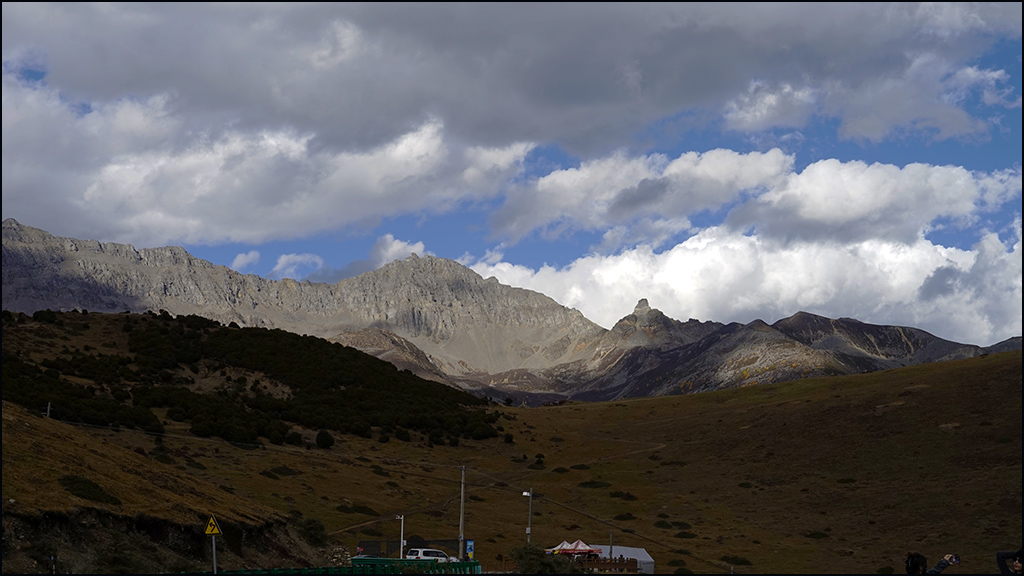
(645, 564)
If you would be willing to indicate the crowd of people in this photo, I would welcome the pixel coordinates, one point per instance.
(1009, 562)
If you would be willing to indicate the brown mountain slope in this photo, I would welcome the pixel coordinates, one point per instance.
(145, 516)
(838, 475)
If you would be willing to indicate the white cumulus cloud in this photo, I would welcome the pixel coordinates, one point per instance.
(620, 189)
(296, 265)
(764, 107)
(245, 260)
(720, 274)
(853, 201)
(388, 249)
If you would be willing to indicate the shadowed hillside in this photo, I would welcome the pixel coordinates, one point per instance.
(840, 474)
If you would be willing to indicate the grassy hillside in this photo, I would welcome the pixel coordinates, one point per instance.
(836, 475)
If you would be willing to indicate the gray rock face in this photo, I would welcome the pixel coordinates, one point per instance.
(444, 322)
(466, 324)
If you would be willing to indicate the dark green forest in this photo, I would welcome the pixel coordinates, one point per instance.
(328, 386)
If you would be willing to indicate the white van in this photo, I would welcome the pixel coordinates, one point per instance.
(429, 554)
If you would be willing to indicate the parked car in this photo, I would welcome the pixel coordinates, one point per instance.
(429, 554)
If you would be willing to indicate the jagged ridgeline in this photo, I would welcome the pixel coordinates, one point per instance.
(239, 384)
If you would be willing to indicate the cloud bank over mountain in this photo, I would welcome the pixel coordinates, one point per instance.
(727, 161)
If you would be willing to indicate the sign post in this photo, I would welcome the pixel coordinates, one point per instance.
(212, 530)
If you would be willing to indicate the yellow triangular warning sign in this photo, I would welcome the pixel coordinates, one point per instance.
(212, 529)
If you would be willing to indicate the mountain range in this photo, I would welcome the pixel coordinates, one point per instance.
(444, 322)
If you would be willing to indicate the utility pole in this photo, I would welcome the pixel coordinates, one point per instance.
(462, 517)
(401, 537)
(529, 519)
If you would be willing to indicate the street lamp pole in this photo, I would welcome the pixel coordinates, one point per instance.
(401, 537)
(529, 519)
(462, 517)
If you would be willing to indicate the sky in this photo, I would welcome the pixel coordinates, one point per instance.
(726, 162)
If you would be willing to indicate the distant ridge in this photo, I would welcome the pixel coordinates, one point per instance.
(444, 322)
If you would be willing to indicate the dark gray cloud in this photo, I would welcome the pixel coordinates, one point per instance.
(636, 198)
(944, 281)
(585, 76)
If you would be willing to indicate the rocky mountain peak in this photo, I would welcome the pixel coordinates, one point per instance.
(445, 321)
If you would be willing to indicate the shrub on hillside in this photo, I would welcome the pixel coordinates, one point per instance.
(87, 489)
(324, 439)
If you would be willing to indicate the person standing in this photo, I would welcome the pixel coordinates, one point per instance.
(918, 564)
(1015, 567)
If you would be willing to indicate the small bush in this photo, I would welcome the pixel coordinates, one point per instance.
(560, 470)
(357, 509)
(324, 439)
(663, 525)
(313, 531)
(816, 535)
(594, 484)
(625, 516)
(736, 560)
(580, 467)
(685, 534)
(46, 316)
(285, 471)
(87, 490)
